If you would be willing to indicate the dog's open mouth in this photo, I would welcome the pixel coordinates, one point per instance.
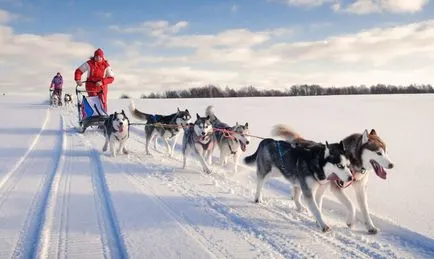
(121, 128)
(243, 146)
(379, 170)
(333, 177)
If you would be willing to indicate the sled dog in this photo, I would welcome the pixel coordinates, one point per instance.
(367, 152)
(165, 126)
(231, 141)
(116, 131)
(306, 165)
(199, 139)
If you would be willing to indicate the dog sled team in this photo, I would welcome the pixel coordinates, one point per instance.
(310, 166)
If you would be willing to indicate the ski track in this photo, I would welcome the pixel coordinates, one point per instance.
(30, 183)
(9, 174)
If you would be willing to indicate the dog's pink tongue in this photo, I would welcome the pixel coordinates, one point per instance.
(381, 172)
(121, 128)
(333, 177)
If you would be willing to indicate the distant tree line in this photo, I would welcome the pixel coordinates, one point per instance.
(211, 91)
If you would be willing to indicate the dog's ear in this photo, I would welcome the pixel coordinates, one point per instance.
(327, 150)
(123, 112)
(207, 117)
(197, 116)
(365, 137)
(186, 110)
(341, 145)
(373, 132)
(246, 125)
(236, 124)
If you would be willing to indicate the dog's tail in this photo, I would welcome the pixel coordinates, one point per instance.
(138, 114)
(252, 158)
(210, 112)
(286, 132)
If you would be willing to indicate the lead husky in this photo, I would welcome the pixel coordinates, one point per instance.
(306, 165)
(230, 140)
(367, 152)
(116, 130)
(172, 125)
(200, 139)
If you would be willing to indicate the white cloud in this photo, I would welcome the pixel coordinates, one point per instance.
(399, 54)
(4, 16)
(153, 28)
(363, 6)
(393, 6)
(307, 3)
(234, 8)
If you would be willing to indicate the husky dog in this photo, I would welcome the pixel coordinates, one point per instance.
(367, 152)
(230, 140)
(67, 100)
(166, 126)
(116, 130)
(55, 100)
(199, 138)
(306, 165)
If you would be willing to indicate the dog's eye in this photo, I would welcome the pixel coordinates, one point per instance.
(379, 153)
(340, 166)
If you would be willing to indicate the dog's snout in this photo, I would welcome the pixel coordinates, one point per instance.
(247, 142)
(121, 123)
(391, 165)
(350, 178)
(203, 133)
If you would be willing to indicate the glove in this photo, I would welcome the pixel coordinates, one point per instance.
(79, 83)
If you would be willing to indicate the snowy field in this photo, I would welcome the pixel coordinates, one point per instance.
(60, 196)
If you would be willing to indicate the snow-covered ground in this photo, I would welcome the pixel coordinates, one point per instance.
(60, 196)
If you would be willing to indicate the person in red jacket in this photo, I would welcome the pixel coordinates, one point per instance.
(99, 75)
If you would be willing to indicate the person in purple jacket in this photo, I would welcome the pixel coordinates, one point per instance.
(57, 84)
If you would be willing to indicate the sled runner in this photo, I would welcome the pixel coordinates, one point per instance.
(90, 109)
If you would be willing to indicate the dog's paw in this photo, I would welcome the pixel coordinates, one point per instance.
(373, 230)
(326, 229)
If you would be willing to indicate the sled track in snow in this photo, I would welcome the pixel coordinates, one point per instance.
(28, 242)
(113, 242)
(7, 176)
(183, 222)
(279, 243)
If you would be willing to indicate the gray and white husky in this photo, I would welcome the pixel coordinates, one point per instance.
(165, 126)
(116, 131)
(367, 152)
(199, 139)
(306, 165)
(230, 140)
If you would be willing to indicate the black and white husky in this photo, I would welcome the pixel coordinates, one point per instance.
(116, 131)
(199, 139)
(306, 165)
(166, 126)
(67, 100)
(230, 140)
(367, 152)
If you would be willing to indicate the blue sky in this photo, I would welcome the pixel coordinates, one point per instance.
(140, 31)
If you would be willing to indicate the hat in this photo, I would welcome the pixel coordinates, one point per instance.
(99, 53)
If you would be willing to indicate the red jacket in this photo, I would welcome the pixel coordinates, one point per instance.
(96, 71)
